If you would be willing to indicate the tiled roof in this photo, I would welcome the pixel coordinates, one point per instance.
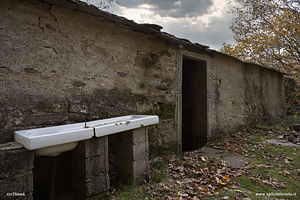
(152, 29)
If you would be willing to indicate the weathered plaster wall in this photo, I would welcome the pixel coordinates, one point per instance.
(60, 66)
(243, 94)
(292, 95)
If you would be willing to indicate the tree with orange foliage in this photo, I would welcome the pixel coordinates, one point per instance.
(267, 32)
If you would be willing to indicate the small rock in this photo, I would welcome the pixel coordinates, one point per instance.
(297, 127)
(296, 140)
(291, 138)
(294, 133)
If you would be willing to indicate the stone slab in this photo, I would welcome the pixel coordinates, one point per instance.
(233, 161)
(211, 152)
(281, 142)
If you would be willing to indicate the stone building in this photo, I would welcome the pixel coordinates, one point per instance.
(64, 62)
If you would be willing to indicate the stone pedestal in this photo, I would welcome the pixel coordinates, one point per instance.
(90, 169)
(132, 156)
(16, 178)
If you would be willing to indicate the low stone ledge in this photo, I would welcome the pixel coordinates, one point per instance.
(15, 159)
(16, 186)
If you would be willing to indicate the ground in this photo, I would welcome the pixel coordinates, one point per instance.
(250, 164)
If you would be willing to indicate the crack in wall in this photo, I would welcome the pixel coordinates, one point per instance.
(40, 26)
(55, 19)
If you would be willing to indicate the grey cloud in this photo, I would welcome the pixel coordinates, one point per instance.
(173, 8)
(213, 36)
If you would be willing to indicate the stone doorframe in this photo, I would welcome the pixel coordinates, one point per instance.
(207, 59)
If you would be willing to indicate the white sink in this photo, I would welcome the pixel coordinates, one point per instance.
(50, 141)
(118, 124)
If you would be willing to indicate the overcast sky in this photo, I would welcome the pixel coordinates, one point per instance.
(200, 21)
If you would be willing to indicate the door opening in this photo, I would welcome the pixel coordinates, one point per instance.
(194, 104)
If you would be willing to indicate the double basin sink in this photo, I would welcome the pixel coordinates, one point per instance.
(51, 141)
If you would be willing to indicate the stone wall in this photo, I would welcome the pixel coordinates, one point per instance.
(16, 164)
(60, 66)
(292, 95)
(243, 94)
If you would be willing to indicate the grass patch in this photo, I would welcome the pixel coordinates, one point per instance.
(159, 164)
(158, 176)
(128, 192)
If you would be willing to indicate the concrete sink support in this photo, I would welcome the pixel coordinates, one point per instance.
(51, 141)
(132, 156)
(90, 157)
(132, 145)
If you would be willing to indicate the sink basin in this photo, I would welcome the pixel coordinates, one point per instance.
(50, 141)
(118, 124)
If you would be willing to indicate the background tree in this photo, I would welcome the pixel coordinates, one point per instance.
(267, 32)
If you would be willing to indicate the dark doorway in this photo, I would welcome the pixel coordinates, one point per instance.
(194, 104)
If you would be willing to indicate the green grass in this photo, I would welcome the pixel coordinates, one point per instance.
(159, 164)
(277, 157)
(128, 192)
(157, 176)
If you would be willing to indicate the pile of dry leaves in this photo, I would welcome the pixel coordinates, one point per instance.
(193, 176)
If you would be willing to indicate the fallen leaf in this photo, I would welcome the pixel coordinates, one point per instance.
(225, 198)
(239, 191)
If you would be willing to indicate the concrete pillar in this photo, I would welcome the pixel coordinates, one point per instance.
(16, 177)
(132, 156)
(90, 169)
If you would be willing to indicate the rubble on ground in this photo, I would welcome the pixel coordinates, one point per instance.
(294, 136)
